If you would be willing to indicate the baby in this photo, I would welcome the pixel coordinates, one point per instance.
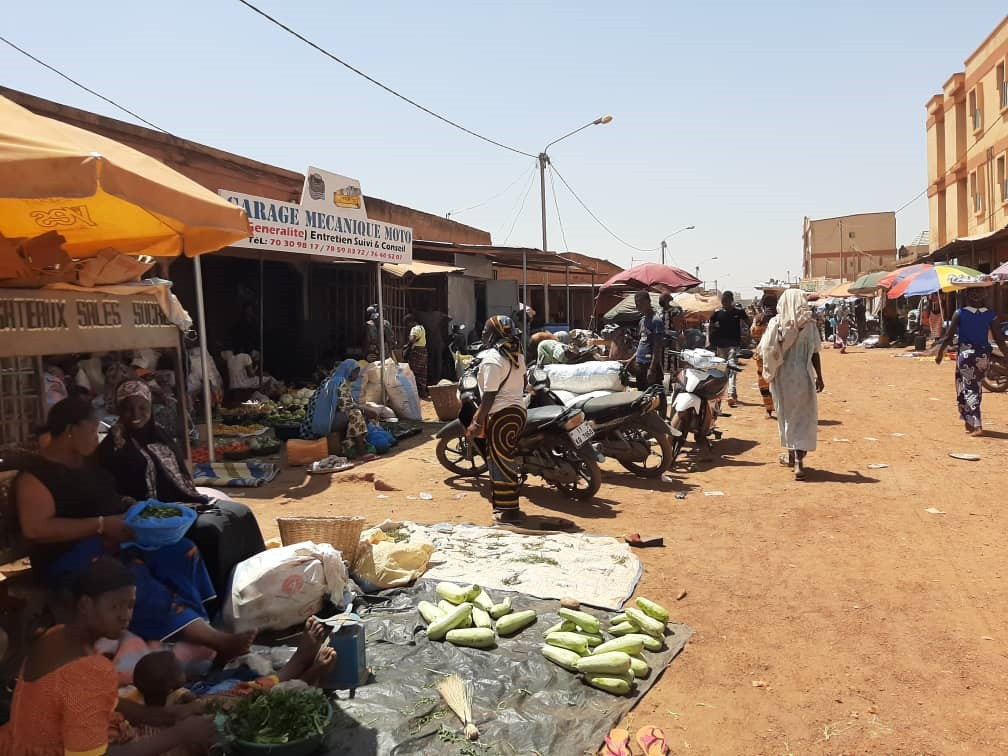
(158, 698)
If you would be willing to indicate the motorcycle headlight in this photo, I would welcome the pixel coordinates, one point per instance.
(574, 421)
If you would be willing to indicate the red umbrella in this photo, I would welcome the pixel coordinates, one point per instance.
(887, 281)
(660, 278)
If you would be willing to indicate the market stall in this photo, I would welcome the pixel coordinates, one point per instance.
(41, 329)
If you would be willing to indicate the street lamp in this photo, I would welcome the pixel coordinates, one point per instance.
(543, 162)
(674, 233)
(712, 259)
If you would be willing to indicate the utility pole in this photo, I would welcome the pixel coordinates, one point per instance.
(663, 245)
(543, 160)
(842, 269)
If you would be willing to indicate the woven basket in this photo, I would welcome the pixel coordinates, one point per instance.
(446, 401)
(342, 533)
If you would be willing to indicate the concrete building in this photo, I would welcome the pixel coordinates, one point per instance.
(967, 142)
(848, 246)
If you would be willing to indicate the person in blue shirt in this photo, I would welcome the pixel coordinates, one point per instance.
(973, 324)
(651, 346)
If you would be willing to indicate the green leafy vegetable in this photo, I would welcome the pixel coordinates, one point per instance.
(279, 716)
(159, 512)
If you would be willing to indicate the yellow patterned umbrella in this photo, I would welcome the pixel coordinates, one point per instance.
(100, 194)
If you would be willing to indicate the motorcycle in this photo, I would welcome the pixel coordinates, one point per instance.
(996, 378)
(556, 444)
(697, 391)
(629, 425)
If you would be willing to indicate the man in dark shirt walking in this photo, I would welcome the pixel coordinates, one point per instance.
(651, 347)
(725, 335)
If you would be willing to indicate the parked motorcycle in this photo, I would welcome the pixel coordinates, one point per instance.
(697, 391)
(996, 378)
(556, 444)
(629, 425)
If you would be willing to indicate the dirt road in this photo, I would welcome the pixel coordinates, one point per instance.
(834, 615)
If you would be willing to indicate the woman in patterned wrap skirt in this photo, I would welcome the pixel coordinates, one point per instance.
(501, 415)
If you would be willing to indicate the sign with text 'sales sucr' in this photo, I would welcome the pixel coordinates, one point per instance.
(38, 322)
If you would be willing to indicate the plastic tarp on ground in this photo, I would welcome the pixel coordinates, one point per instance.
(521, 702)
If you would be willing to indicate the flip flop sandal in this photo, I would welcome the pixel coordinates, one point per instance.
(636, 539)
(617, 743)
(799, 474)
(785, 460)
(652, 740)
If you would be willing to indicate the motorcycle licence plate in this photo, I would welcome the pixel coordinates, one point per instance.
(582, 434)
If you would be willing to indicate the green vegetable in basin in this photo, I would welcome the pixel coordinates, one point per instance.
(278, 717)
(159, 512)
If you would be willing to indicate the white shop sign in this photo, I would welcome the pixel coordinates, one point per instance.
(330, 221)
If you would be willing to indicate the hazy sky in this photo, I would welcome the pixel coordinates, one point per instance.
(737, 117)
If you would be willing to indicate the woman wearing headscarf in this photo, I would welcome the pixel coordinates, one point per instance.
(332, 407)
(789, 351)
(147, 464)
(767, 311)
(500, 418)
(70, 513)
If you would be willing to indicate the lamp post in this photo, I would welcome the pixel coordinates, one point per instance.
(543, 162)
(674, 233)
(712, 259)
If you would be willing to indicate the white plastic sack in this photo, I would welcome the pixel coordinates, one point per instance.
(400, 385)
(585, 377)
(281, 588)
(370, 392)
(383, 412)
(568, 398)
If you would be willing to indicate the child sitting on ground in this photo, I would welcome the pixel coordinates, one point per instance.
(158, 698)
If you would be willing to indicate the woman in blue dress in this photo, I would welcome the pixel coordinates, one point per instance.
(974, 324)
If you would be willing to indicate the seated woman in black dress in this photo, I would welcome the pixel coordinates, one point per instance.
(148, 465)
(70, 514)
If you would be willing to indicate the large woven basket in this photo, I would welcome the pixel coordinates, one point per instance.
(342, 533)
(446, 401)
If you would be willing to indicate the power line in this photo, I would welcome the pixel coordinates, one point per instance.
(377, 83)
(556, 204)
(521, 208)
(598, 220)
(85, 88)
(487, 202)
(907, 204)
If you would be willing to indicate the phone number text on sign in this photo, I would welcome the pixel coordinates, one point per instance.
(327, 248)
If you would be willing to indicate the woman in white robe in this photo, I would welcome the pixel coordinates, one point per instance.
(791, 365)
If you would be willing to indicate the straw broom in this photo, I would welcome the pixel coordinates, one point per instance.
(457, 693)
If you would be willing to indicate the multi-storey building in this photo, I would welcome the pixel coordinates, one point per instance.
(846, 247)
(967, 141)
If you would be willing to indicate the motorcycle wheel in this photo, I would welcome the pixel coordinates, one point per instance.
(661, 460)
(685, 426)
(588, 484)
(998, 383)
(452, 454)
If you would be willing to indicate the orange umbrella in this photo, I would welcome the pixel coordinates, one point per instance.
(100, 194)
(841, 290)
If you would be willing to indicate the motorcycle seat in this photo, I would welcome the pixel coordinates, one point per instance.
(540, 417)
(605, 408)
